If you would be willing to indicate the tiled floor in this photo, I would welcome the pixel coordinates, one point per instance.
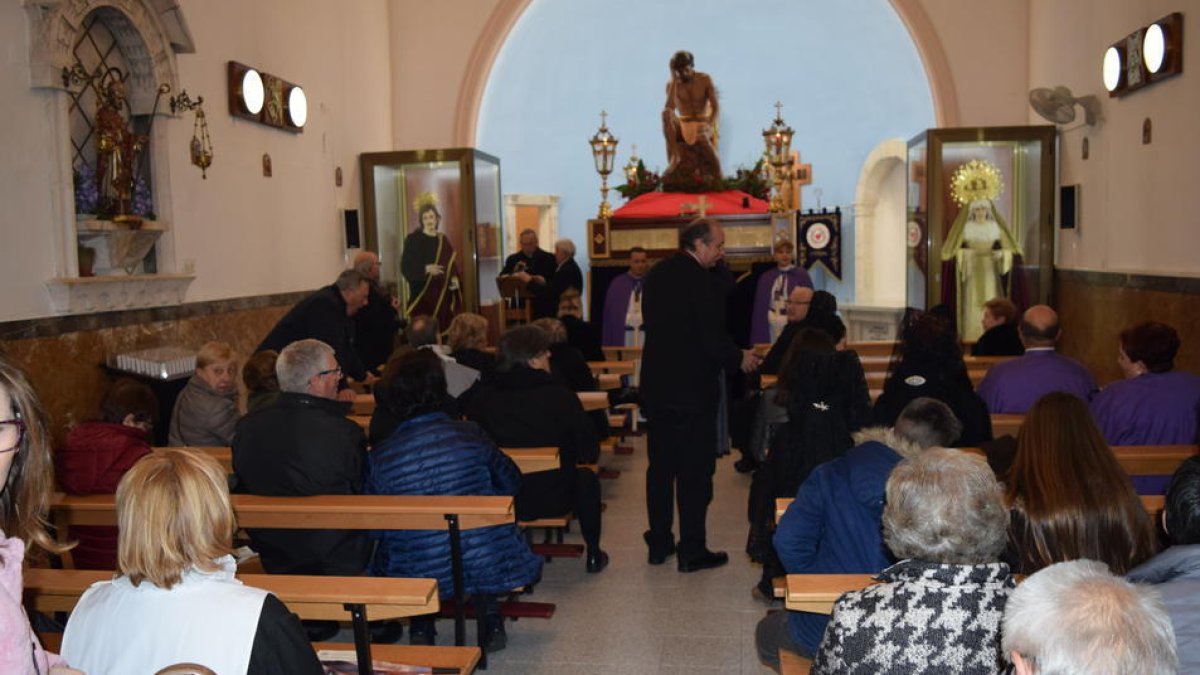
(635, 618)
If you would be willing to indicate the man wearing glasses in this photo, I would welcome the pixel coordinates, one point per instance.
(300, 445)
(797, 305)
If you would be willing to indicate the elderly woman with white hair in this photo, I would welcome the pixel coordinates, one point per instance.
(1076, 618)
(566, 273)
(938, 610)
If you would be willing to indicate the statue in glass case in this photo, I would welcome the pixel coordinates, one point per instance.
(430, 266)
(979, 247)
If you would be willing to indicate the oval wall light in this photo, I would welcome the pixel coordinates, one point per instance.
(1154, 48)
(1112, 68)
(251, 92)
(297, 107)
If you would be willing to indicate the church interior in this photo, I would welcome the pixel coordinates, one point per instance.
(232, 239)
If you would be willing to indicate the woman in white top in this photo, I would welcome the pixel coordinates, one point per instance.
(176, 599)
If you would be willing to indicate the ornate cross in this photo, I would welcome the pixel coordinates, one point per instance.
(603, 115)
(700, 206)
(778, 109)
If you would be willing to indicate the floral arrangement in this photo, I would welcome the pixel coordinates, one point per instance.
(643, 181)
(89, 201)
(751, 181)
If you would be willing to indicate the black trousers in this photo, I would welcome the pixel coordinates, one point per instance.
(682, 453)
(549, 494)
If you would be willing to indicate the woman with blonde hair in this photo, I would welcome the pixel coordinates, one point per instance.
(26, 478)
(467, 338)
(1069, 497)
(176, 599)
(206, 411)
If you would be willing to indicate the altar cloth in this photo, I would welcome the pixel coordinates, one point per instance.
(667, 204)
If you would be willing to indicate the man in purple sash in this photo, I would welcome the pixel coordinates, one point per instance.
(771, 294)
(622, 322)
(1013, 386)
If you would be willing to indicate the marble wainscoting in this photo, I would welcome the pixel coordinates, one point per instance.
(65, 356)
(1094, 307)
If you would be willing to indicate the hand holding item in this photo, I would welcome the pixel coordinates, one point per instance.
(434, 269)
(523, 276)
(453, 285)
(395, 302)
(750, 360)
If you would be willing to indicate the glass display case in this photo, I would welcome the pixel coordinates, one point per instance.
(434, 218)
(980, 219)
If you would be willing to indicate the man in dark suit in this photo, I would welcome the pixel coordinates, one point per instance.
(326, 315)
(535, 268)
(687, 347)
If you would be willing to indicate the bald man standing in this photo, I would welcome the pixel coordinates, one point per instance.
(376, 324)
(1013, 386)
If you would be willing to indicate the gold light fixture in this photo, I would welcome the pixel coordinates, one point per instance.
(201, 149)
(777, 140)
(604, 149)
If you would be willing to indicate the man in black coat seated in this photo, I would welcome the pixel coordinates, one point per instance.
(326, 316)
(524, 407)
(303, 445)
(687, 347)
(535, 268)
(1000, 336)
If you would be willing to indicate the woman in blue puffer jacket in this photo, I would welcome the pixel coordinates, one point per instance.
(429, 453)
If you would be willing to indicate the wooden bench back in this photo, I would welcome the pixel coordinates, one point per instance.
(532, 460)
(311, 597)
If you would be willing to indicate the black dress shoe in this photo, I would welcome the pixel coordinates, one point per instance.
(704, 561)
(660, 557)
(596, 561)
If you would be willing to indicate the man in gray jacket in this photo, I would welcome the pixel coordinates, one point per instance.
(1177, 569)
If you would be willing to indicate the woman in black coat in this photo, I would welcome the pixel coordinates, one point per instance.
(931, 364)
(523, 406)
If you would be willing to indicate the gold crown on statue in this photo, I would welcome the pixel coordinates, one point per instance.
(425, 199)
(977, 179)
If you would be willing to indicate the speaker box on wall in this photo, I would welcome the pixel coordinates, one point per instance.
(1068, 209)
(350, 221)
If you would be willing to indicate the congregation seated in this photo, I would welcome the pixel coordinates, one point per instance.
(175, 598)
(824, 392)
(1176, 570)
(1069, 497)
(1076, 618)
(206, 411)
(467, 339)
(27, 477)
(302, 445)
(833, 526)
(258, 376)
(1013, 386)
(523, 406)
(1000, 337)
(931, 365)
(938, 610)
(429, 453)
(96, 454)
(581, 335)
(1155, 404)
(567, 364)
(424, 332)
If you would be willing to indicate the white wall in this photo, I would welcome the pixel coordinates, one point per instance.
(246, 234)
(1139, 202)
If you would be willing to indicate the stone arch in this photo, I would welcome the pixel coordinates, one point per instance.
(874, 230)
(506, 13)
(149, 33)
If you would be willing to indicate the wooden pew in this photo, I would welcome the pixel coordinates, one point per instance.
(1153, 460)
(817, 592)
(338, 512)
(532, 460)
(612, 367)
(223, 455)
(609, 381)
(593, 400)
(616, 353)
(1006, 424)
(310, 597)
